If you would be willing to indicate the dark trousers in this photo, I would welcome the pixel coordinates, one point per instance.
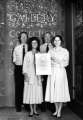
(19, 86)
(44, 85)
(44, 105)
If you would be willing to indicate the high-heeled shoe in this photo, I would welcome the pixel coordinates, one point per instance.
(59, 115)
(30, 115)
(54, 114)
(35, 113)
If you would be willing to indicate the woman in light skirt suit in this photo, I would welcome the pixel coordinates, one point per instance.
(57, 90)
(33, 86)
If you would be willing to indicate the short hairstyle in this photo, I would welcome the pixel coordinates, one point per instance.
(30, 43)
(19, 36)
(43, 36)
(52, 41)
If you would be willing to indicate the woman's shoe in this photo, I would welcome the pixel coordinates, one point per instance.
(58, 115)
(35, 113)
(30, 115)
(54, 114)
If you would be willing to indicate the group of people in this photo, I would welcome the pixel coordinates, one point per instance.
(35, 89)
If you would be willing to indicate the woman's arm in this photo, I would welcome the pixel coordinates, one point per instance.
(65, 60)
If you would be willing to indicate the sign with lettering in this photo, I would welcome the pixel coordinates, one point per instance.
(34, 17)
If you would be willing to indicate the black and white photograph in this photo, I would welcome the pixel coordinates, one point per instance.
(41, 59)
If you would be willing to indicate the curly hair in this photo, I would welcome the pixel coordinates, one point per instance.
(30, 43)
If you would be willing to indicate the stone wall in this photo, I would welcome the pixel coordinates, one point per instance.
(33, 16)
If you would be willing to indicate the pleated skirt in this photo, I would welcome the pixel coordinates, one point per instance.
(32, 94)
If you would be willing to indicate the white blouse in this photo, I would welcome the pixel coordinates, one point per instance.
(29, 69)
(60, 56)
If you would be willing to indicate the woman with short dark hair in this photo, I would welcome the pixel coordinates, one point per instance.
(57, 90)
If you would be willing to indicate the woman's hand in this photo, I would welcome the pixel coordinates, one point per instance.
(26, 79)
(55, 60)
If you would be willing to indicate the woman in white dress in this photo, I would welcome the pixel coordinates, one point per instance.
(57, 90)
(33, 86)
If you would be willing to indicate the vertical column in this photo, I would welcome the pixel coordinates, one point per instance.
(69, 38)
(73, 52)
